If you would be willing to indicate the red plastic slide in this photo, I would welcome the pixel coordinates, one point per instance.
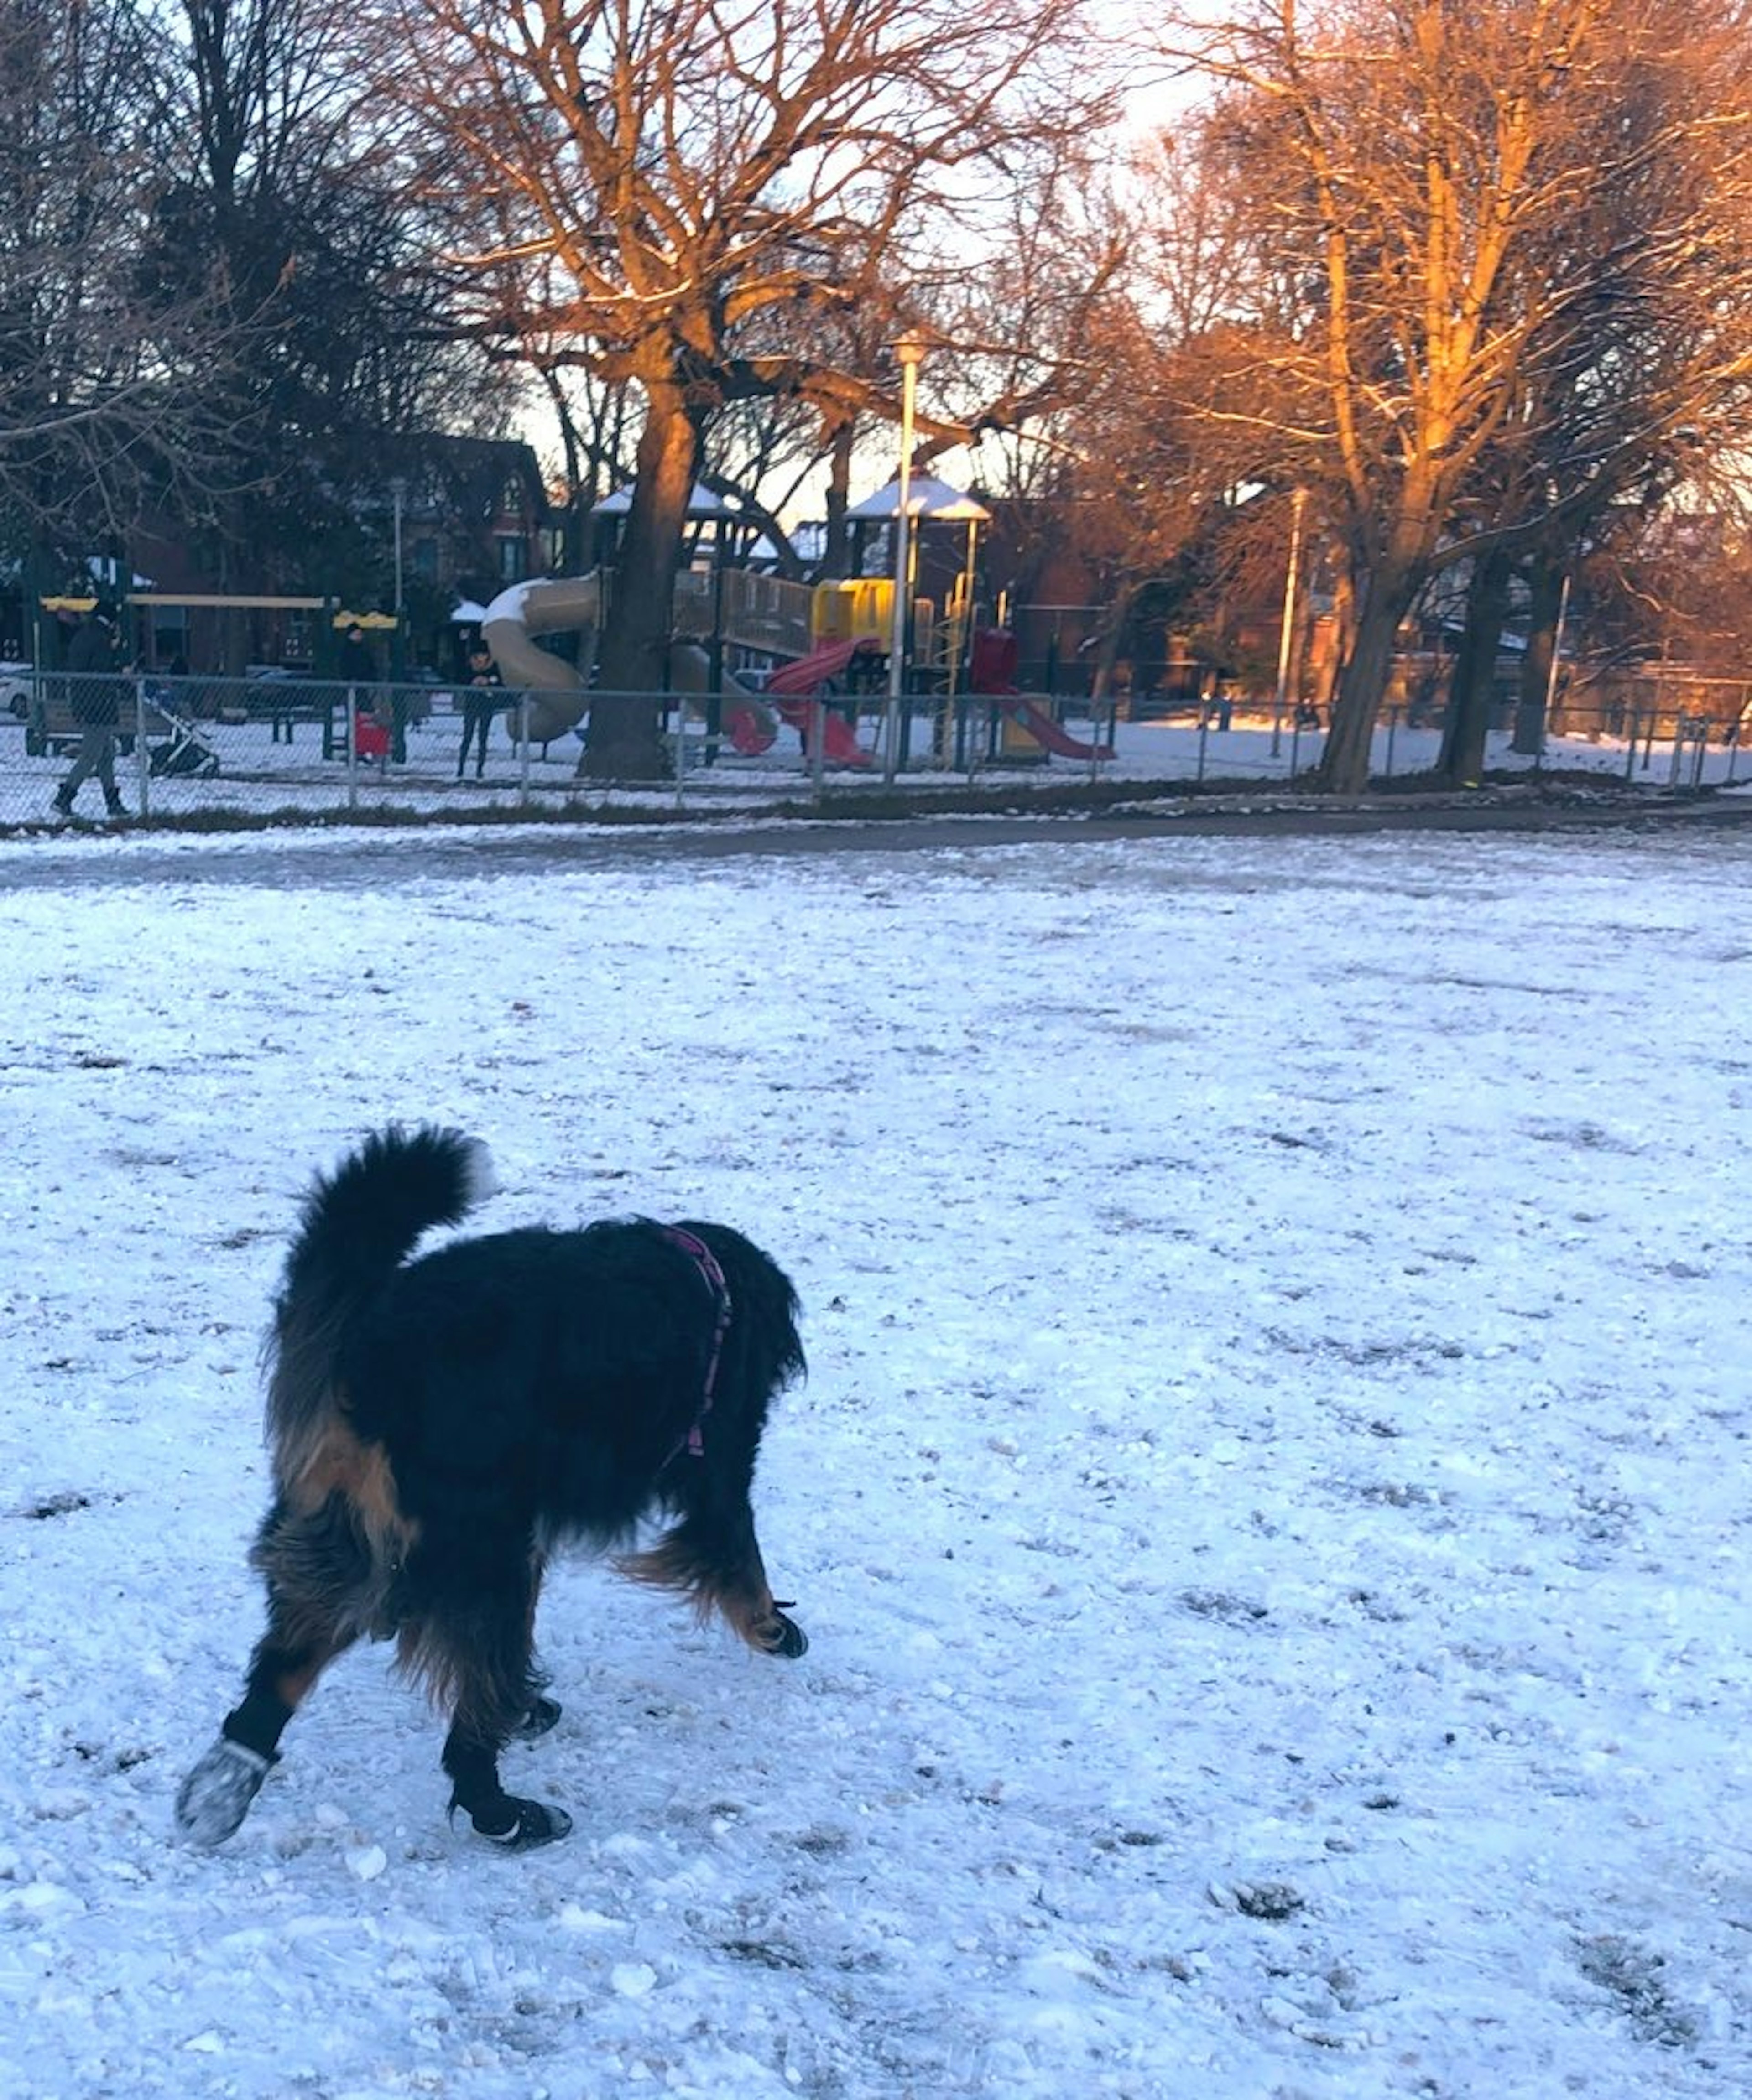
(1044, 730)
(808, 673)
(992, 674)
(751, 732)
(839, 739)
(793, 690)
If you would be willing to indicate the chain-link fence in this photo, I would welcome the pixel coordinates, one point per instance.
(206, 749)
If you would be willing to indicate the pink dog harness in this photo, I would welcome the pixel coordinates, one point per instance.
(712, 1277)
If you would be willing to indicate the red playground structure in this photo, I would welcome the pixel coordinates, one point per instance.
(992, 674)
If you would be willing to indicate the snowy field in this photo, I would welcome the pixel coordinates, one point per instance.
(1269, 1506)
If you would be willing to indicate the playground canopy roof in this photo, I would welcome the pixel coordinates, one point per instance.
(702, 503)
(927, 498)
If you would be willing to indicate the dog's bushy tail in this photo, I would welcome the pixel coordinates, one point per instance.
(360, 1224)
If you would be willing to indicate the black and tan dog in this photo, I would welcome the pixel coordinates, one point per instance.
(439, 1427)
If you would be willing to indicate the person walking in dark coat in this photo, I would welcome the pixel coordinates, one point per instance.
(94, 666)
(359, 667)
(480, 700)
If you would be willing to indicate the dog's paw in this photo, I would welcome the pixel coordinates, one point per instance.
(532, 1823)
(215, 1797)
(780, 1635)
(544, 1713)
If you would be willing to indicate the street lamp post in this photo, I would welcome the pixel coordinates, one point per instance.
(1287, 625)
(398, 494)
(909, 351)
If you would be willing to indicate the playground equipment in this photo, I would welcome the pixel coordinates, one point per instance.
(795, 695)
(991, 674)
(796, 692)
(549, 605)
(557, 695)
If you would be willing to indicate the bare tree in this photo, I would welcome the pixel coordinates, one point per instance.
(103, 389)
(642, 179)
(1429, 182)
(283, 205)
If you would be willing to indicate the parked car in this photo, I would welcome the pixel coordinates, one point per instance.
(16, 686)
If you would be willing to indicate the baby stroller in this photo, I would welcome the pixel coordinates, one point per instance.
(183, 752)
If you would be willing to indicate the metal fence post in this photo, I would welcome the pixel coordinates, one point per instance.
(522, 745)
(352, 747)
(143, 757)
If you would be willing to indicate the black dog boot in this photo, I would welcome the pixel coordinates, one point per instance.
(544, 1713)
(515, 1825)
(215, 1797)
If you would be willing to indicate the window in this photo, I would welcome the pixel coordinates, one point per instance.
(513, 557)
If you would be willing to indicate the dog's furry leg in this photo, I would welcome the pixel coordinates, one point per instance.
(475, 1648)
(309, 1569)
(542, 1713)
(714, 1558)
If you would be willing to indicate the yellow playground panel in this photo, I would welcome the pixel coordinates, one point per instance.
(851, 607)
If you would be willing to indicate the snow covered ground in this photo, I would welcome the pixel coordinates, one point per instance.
(1269, 1506)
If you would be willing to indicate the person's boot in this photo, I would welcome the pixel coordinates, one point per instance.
(64, 802)
(115, 806)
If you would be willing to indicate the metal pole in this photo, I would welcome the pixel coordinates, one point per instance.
(1286, 626)
(399, 491)
(142, 759)
(910, 351)
(960, 648)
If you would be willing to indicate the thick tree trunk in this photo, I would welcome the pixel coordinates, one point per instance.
(1546, 589)
(624, 742)
(1391, 589)
(1112, 633)
(1472, 684)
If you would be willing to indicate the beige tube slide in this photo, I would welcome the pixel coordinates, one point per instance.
(549, 605)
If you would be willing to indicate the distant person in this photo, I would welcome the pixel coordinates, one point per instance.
(94, 663)
(359, 667)
(480, 702)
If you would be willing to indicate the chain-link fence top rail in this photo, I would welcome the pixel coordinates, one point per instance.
(210, 748)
